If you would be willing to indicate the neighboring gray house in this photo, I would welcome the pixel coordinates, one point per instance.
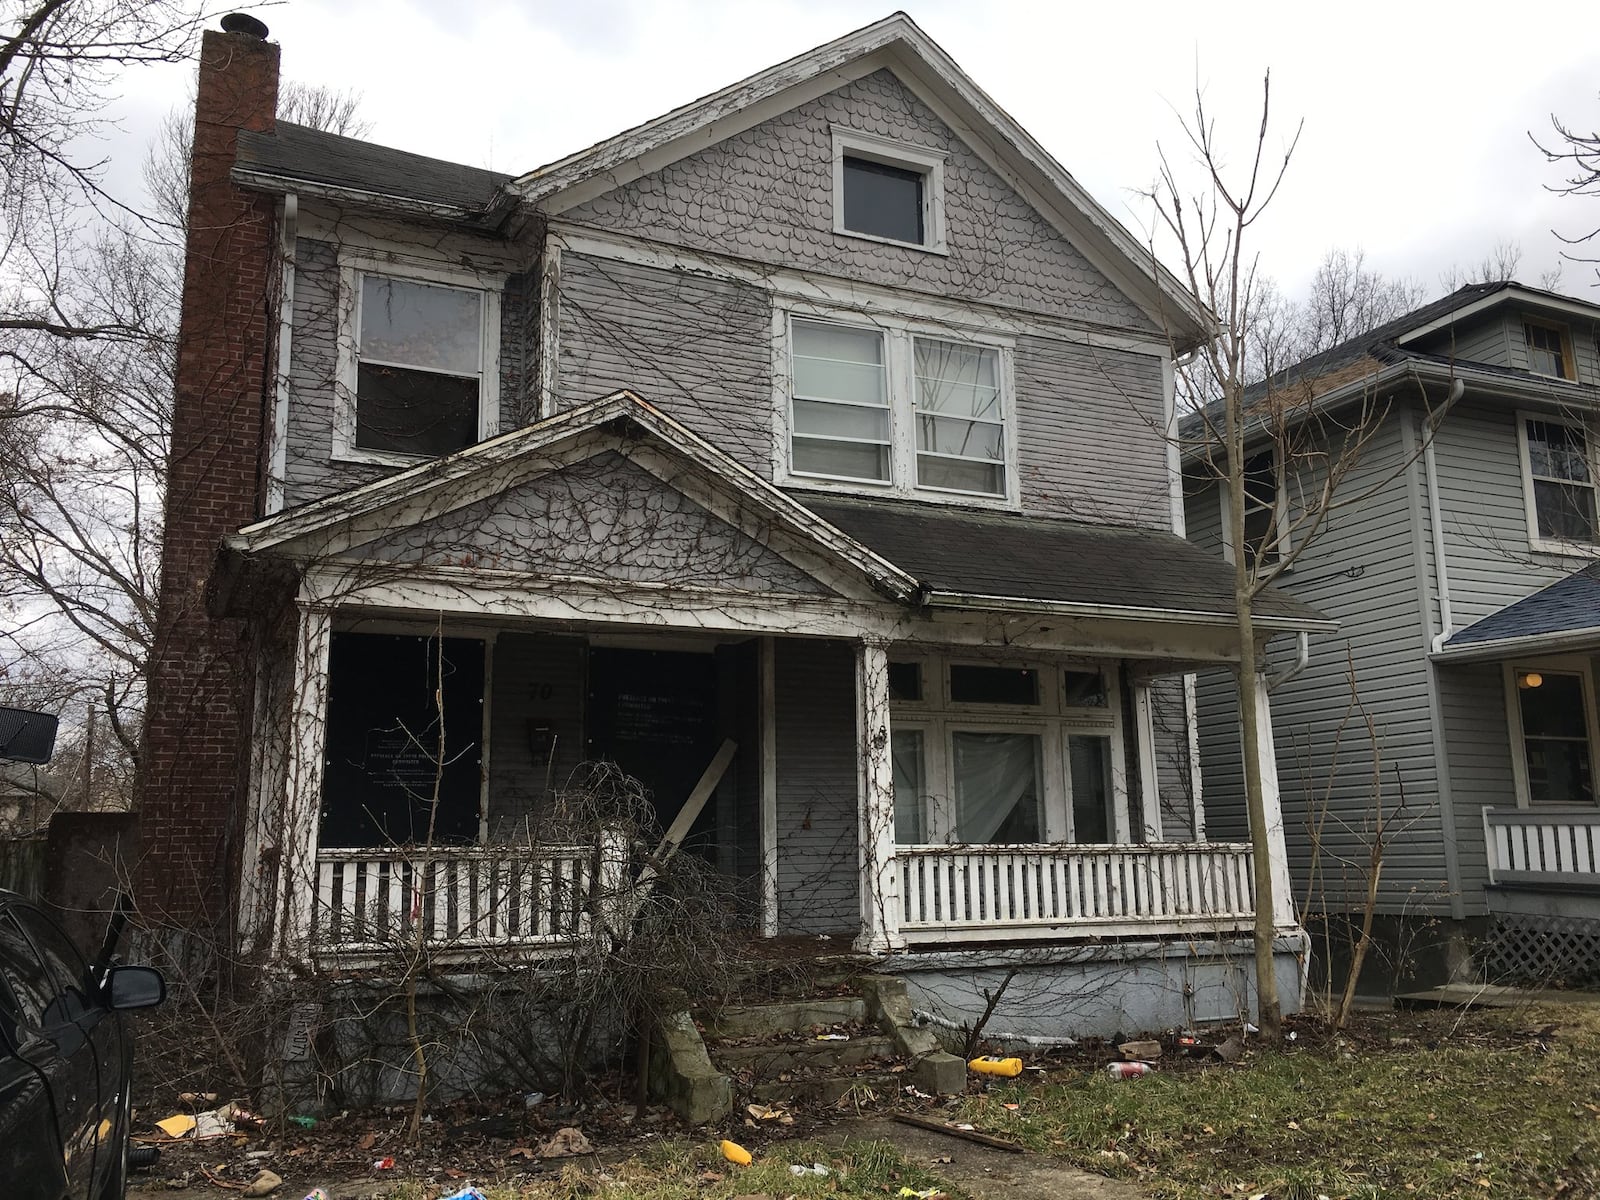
(827, 415)
(1469, 606)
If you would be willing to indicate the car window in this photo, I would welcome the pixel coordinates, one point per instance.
(48, 998)
(69, 974)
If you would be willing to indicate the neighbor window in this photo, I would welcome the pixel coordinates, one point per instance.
(882, 405)
(1560, 479)
(418, 359)
(1548, 352)
(1007, 754)
(887, 191)
(1553, 707)
(1262, 512)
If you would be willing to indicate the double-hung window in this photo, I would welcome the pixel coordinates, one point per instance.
(886, 407)
(1554, 711)
(1558, 474)
(1265, 511)
(418, 363)
(1549, 351)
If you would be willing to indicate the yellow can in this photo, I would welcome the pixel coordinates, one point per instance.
(735, 1153)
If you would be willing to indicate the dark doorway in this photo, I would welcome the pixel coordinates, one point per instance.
(383, 740)
(654, 714)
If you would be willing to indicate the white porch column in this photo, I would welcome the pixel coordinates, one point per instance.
(302, 789)
(1283, 911)
(880, 873)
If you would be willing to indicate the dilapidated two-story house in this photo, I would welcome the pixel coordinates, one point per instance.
(805, 451)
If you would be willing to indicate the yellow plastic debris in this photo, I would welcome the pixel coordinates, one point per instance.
(1008, 1067)
(736, 1153)
(176, 1126)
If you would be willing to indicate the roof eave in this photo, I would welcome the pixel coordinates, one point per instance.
(1498, 649)
(485, 216)
(1121, 612)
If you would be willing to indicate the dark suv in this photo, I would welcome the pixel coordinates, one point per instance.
(65, 1059)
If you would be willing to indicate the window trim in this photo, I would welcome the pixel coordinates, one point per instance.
(1285, 544)
(353, 265)
(1577, 665)
(899, 368)
(1564, 332)
(1536, 540)
(925, 162)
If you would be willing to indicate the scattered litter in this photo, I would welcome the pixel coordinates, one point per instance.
(533, 1100)
(566, 1143)
(1230, 1050)
(256, 1155)
(303, 1122)
(736, 1153)
(467, 1193)
(770, 1112)
(1010, 1068)
(911, 1090)
(1128, 1070)
(1294, 1035)
(1249, 1028)
(195, 1099)
(818, 1169)
(317, 1193)
(386, 1163)
(264, 1184)
(833, 1037)
(177, 1126)
(1143, 1051)
(1014, 1107)
(924, 1194)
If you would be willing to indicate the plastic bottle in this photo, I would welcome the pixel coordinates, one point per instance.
(1008, 1067)
(1127, 1070)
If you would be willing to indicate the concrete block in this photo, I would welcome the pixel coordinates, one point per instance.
(681, 1073)
(940, 1074)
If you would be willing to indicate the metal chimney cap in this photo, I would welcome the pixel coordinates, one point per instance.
(244, 23)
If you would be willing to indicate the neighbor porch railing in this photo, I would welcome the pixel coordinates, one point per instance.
(1543, 845)
(467, 899)
(1006, 893)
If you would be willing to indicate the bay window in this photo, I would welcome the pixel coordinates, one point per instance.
(888, 408)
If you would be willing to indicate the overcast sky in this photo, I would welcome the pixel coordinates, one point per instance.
(1416, 116)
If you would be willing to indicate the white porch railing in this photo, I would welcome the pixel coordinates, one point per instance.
(1543, 845)
(459, 898)
(995, 893)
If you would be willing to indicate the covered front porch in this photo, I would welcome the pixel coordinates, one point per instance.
(905, 729)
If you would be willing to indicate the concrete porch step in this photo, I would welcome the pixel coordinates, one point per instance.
(828, 1089)
(787, 1016)
(765, 1059)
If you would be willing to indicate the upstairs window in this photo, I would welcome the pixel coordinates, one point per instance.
(1548, 350)
(1559, 476)
(883, 407)
(887, 191)
(418, 363)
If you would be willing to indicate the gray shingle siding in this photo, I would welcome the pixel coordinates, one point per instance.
(699, 348)
(767, 195)
(817, 787)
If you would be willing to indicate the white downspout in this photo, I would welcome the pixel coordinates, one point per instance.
(1430, 472)
(1301, 658)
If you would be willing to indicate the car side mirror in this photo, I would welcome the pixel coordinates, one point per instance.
(134, 987)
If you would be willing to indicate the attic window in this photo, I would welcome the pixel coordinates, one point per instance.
(887, 192)
(1548, 350)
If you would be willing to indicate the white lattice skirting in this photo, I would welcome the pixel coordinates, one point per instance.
(1537, 949)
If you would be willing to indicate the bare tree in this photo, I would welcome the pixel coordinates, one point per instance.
(1495, 265)
(1315, 450)
(1577, 154)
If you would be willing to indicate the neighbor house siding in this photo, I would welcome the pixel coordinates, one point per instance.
(766, 195)
(1362, 572)
(817, 787)
(1484, 515)
(1472, 704)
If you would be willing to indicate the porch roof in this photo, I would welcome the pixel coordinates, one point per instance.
(982, 557)
(1566, 614)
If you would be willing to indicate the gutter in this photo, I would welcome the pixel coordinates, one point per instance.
(264, 181)
(1068, 608)
(1586, 638)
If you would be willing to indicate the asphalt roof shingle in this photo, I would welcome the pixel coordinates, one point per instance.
(297, 152)
(1047, 559)
(1568, 604)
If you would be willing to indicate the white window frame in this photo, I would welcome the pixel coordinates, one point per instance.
(353, 265)
(937, 716)
(1519, 750)
(1225, 491)
(899, 366)
(927, 163)
(1536, 540)
(1563, 334)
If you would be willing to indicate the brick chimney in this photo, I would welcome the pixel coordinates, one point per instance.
(196, 736)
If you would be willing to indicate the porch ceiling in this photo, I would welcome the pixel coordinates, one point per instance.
(989, 557)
